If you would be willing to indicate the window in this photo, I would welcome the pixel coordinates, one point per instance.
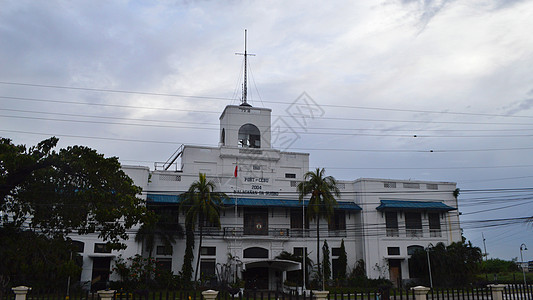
(101, 248)
(256, 222)
(413, 224)
(207, 268)
(335, 251)
(434, 225)
(297, 223)
(391, 222)
(337, 226)
(393, 250)
(223, 137)
(414, 271)
(164, 250)
(298, 251)
(432, 186)
(412, 249)
(410, 185)
(208, 251)
(389, 185)
(290, 175)
(249, 136)
(255, 252)
(164, 264)
(78, 246)
(335, 268)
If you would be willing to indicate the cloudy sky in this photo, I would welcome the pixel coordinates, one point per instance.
(430, 90)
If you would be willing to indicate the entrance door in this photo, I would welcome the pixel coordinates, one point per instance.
(256, 278)
(395, 272)
(100, 277)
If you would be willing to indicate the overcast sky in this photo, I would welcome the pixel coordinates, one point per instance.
(429, 90)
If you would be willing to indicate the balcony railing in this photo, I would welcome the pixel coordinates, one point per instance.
(393, 232)
(435, 233)
(337, 233)
(414, 232)
(240, 231)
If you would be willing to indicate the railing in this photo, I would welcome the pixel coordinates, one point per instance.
(414, 232)
(435, 233)
(337, 233)
(514, 292)
(271, 232)
(393, 232)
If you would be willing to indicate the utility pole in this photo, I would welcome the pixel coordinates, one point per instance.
(484, 246)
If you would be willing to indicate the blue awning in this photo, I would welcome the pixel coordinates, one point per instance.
(252, 202)
(413, 205)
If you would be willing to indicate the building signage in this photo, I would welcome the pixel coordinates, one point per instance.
(256, 179)
(255, 192)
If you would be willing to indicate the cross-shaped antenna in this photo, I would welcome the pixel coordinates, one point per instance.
(244, 86)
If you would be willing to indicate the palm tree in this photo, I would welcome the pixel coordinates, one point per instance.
(158, 225)
(323, 190)
(202, 204)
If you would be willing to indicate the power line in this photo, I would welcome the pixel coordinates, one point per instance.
(274, 115)
(217, 124)
(297, 132)
(274, 102)
(291, 148)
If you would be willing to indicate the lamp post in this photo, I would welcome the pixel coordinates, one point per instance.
(523, 247)
(429, 267)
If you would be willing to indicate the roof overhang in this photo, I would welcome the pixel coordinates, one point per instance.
(278, 264)
(405, 205)
(254, 202)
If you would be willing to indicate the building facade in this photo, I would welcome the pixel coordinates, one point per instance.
(380, 221)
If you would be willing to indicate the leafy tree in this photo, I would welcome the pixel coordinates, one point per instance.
(69, 190)
(454, 265)
(186, 268)
(161, 225)
(296, 276)
(323, 190)
(32, 259)
(343, 263)
(495, 265)
(325, 261)
(202, 204)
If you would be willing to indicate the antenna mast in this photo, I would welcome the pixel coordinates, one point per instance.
(244, 85)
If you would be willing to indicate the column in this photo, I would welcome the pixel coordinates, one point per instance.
(20, 292)
(497, 291)
(421, 292)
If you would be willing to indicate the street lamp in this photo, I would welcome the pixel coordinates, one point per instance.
(523, 247)
(429, 266)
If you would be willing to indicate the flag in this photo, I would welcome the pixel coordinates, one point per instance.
(235, 173)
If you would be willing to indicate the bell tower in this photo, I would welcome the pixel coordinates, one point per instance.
(245, 126)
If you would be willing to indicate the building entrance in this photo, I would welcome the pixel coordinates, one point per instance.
(256, 278)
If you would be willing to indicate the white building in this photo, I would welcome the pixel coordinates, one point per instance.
(381, 221)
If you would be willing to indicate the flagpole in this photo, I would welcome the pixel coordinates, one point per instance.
(236, 211)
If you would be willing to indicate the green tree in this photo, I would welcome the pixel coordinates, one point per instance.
(161, 225)
(73, 189)
(325, 261)
(496, 265)
(202, 204)
(186, 268)
(452, 265)
(296, 276)
(343, 263)
(33, 259)
(323, 190)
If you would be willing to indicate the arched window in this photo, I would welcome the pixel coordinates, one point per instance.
(412, 249)
(255, 252)
(249, 136)
(223, 137)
